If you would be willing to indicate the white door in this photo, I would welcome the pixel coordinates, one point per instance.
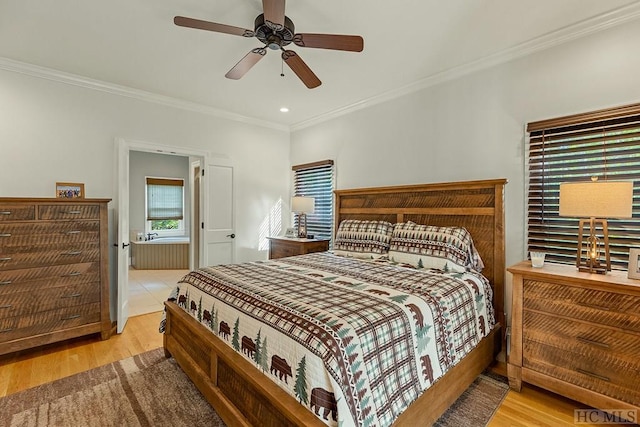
(196, 214)
(217, 220)
(122, 239)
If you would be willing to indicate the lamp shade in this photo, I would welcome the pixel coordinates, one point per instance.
(597, 199)
(301, 204)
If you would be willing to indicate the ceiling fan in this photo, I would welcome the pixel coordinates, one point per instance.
(276, 31)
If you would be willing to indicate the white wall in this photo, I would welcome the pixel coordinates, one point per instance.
(473, 127)
(143, 165)
(51, 132)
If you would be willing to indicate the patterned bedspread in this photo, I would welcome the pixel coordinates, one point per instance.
(354, 341)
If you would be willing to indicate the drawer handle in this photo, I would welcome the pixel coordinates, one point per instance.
(594, 375)
(599, 307)
(73, 232)
(5, 213)
(592, 342)
(6, 330)
(5, 235)
(73, 212)
(6, 282)
(75, 273)
(75, 316)
(6, 306)
(5, 259)
(72, 253)
(71, 296)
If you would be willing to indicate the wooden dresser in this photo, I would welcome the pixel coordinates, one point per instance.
(54, 281)
(576, 334)
(280, 247)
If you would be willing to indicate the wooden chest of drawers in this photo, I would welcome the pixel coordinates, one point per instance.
(54, 281)
(577, 334)
(280, 247)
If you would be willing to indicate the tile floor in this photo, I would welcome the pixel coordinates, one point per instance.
(148, 289)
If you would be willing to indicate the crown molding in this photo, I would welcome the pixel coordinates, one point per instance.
(115, 89)
(581, 29)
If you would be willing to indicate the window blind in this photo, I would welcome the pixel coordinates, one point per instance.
(316, 180)
(603, 144)
(165, 199)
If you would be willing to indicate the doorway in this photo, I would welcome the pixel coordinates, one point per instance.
(159, 250)
(124, 149)
(213, 225)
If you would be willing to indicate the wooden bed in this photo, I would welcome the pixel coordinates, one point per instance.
(243, 396)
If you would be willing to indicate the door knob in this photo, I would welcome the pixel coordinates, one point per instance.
(232, 235)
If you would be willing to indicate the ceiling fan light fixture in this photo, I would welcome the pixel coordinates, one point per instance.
(274, 45)
(275, 30)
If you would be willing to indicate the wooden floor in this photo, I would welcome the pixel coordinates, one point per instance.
(26, 369)
(19, 371)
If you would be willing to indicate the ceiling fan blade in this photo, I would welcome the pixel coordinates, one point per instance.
(245, 64)
(301, 69)
(274, 13)
(330, 41)
(183, 21)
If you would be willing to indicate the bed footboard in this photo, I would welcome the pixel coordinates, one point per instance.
(239, 392)
(243, 396)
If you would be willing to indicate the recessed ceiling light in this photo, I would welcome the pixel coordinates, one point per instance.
(284, 110)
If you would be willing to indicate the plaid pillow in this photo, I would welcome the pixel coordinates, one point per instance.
(440, 248)
(363, 239)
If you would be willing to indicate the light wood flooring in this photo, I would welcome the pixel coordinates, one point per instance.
(22, 370)
(26, 369)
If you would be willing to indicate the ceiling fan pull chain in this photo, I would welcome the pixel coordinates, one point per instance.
(281, 67)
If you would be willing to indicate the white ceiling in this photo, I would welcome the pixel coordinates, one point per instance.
(408, 43)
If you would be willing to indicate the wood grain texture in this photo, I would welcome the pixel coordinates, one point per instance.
(16, 211)
(577, 334)
(586, 338)
(592, 305)
(535, 407)
(33, 279)
(280, 247)
(54, 276)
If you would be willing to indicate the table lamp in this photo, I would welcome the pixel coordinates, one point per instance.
(596, 200)
(302, 206)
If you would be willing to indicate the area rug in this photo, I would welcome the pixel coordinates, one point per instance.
(477, 404)
(151, 390)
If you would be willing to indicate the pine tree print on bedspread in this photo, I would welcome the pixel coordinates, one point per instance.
(354, 341)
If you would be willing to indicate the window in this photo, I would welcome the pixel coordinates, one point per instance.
(605, 144)
(165, 206)
(316, 180)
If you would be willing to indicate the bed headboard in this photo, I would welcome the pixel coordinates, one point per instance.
(477, 206)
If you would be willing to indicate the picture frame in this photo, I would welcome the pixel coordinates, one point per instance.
(69, 190)
(291, 232)
(633, 271)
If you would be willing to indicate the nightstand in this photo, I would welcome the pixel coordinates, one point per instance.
(576, 334)
(280, 247)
